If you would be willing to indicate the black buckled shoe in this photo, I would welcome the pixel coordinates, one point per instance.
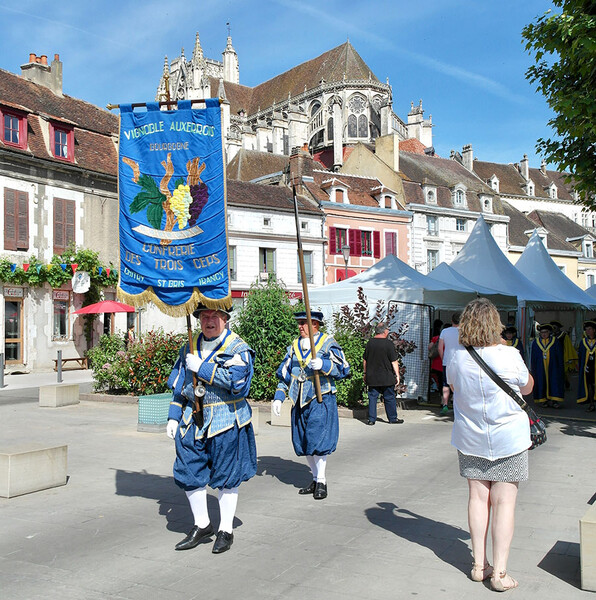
(308, 490)
(195, 535)
(223, 542)
(320, 491)
(397, 422)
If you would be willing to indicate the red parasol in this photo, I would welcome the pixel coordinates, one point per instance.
(105, 306)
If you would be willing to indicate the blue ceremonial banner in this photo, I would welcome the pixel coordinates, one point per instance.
(171, 178)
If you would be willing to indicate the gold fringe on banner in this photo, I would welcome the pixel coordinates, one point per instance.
(178, 310)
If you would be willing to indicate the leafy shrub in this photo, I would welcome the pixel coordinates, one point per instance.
(141, 369)
(266, 323)
(353, 328)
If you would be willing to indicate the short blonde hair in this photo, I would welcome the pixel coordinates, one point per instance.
(480, 324)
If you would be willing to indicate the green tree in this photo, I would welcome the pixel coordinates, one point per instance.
(565, 72)
(266, 323)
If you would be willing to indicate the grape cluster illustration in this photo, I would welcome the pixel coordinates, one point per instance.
(200, 195)
(179, 203)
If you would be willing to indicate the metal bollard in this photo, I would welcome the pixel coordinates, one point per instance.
(2, 384)
(59, 366)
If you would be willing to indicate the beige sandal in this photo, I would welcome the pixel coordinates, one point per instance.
(497, 583)
(481, 572)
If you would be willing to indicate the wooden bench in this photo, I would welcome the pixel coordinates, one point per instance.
(81, 363)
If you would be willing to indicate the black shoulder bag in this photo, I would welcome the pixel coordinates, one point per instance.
(537, 427)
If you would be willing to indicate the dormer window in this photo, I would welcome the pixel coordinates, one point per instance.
(14, 128)
(487, 203)
(430, 194)
(494, 183)
(339, 195)
(459, 196)
(552, 191)
(588, 249)
(62, 141)
(530, 188)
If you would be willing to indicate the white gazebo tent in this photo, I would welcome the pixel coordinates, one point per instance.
(536, 263)
(392, 280)
(483, 263)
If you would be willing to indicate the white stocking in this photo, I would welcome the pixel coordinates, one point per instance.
(312, 463)
(228, 499)
(321, 463)
(198, 504)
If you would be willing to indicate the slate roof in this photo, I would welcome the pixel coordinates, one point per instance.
(558, 224)
(361, 190)
(519, 223)
(93, 126)
(510, 180)
(251, 164)
(278, 198)
(335, 65)
(445, 174)
(543, 180)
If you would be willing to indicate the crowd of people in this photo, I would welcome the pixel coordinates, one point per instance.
(210, 417)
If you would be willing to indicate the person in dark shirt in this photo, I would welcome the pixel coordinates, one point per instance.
(381, 374)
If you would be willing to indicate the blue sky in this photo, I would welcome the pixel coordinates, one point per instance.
(464, 58)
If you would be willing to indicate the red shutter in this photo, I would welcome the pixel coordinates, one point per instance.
(10, 230)
(358, 238)
(377, 244)
(332, 241)
(22, 221)
(59, 243)
(352, 240)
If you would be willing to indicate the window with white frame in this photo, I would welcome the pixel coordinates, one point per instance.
(61, 306)
(366, 243)
(266, 221)
(304, 226)
(432, 259)
(589, 280)
(460, 224)
(552, 191)
(266, 260)
(459, 197)
(307, 255)
(390, 243)
(487, 203)
(588, 249)
(531, 188)
(432, 225)
(232, 262)
(494, 183)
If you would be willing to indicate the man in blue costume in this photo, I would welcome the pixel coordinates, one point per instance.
(218, 450)
(315, 425)
(587, 367)
(546, 366)
(510, 336)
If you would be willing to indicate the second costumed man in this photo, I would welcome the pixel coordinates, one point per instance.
(315, 425)
(220, 451)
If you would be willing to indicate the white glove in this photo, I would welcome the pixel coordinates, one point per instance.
(276, 407)
(171, 428)
(193, 362)
(316, 364)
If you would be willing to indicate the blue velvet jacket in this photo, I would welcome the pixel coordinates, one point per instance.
(226, 374)
(335, 366)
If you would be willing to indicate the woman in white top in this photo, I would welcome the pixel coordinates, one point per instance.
(492, 435)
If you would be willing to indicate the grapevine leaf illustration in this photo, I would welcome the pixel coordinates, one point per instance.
(148, 184)
(179, 181)
(154, 215)
(141, 200)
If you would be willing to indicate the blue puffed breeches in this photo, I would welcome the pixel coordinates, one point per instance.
(223, 461)
(315, 427)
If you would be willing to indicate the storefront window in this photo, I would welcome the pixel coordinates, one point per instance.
(13, 343)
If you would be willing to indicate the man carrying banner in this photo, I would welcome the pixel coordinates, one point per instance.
(315, 425)
(220, 451)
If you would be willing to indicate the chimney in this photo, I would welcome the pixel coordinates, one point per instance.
(524, 169)
(39, 72)
(468, 157)
(543, 167)
(300, 160)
